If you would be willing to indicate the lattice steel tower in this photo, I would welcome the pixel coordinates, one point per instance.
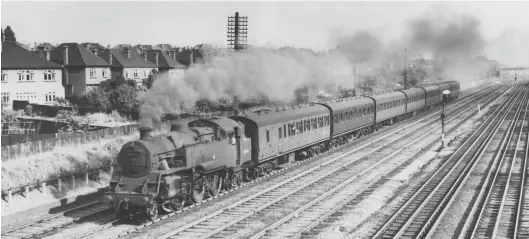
(237, 32)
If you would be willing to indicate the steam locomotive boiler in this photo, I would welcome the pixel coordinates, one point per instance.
(167, 170)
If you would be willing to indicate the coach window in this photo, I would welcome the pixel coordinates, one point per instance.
(285, 130)
(300, 126)
(268, 136)
(280, 132)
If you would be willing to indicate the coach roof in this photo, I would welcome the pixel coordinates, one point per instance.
(342, 104)
(267, 117)
(385, 97)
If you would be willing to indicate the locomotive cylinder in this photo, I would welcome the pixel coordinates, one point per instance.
(171, 186)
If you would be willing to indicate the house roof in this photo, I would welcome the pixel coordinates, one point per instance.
(164, 60)
(139, 48)
(120, 59)
(122, 46)
(163, 47)
(77, 56)
(16, 57)
(183, 57)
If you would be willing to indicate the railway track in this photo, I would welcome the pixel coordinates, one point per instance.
(501, 201)
(52, 224)
(424, 206)
(325, 180)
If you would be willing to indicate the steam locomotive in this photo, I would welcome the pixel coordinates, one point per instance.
(200, 158)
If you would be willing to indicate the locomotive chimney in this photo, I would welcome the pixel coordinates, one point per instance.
(145, 132)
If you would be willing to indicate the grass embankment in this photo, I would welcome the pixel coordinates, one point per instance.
(63, 160)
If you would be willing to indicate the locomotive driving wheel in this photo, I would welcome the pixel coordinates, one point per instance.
(151, 210)
(197, 194)
(214, 184)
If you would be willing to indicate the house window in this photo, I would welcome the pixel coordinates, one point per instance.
(4, 76)
(126, 74)
(5, 97)
(92, 72)
(172, 72)
(136, 74)
(49, 96)
(104, 72)
(27, 96)
(49, 75)
(25, 75)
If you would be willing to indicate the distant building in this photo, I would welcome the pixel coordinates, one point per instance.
(165, 62)
(128, 64)
(92, 46)
(28, 77)
(83, 69)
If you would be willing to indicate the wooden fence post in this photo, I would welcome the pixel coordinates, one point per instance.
(59, 183)
(111, 170)
(73, 180)
(86, 175)
(43, 187)
(99, 174)
(9, 192)
(27, 192)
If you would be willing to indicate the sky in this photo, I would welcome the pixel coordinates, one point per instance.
(314, 25)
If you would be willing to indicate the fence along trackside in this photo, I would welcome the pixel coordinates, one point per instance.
(11, 152)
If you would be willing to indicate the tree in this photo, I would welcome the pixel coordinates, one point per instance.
(2, 34)
(9, 34)
(125, 99)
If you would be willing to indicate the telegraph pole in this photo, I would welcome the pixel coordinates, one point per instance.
(237, 32)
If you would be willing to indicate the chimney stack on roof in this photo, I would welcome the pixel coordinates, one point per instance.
(47, 53)
(144, 54)
(65, 54)
(156, 57)
(127, 52)
(109, 56)
(191, 57)
(173, 54)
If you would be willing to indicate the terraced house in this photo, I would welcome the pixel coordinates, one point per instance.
(82, 68)
(28, 77)
(166, 63)
(128, 64)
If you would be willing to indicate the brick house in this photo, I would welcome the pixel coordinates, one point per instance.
(128, 64)
(29, 77)
(82, 68)
(166, 63)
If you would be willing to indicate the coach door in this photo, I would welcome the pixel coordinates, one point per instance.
(281, 134)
